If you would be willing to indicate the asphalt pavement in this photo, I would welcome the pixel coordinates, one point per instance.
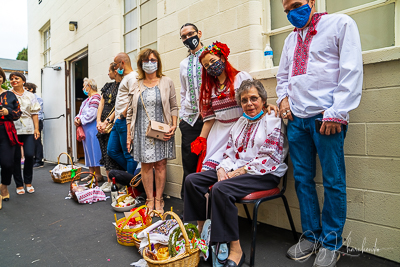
(45, 229)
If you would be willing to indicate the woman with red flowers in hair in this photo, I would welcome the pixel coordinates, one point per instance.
(218, 106)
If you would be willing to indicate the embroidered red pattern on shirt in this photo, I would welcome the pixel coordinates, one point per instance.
(301, 52)
(219, 105)
(335, 120)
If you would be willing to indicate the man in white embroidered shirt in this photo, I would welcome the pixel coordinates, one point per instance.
(318, 82)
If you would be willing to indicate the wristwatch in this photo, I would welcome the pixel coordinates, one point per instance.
(108, 120)
(122, 116)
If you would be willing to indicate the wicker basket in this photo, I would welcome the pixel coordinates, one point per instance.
(125, 236)
(190, 258)
(66, 176)
(72, 181)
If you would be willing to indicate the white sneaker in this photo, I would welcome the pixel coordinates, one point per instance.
(106, 187)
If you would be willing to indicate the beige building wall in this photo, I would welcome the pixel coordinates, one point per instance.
(372, 145)
(99, 32)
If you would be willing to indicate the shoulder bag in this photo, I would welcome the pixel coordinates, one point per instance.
(80, 133)
(155, 129)
(110, 124)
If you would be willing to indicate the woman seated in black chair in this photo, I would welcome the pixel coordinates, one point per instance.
(253, 161)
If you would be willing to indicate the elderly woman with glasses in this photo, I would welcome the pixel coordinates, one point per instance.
(253, 160)
(153, 98)
(87, 119)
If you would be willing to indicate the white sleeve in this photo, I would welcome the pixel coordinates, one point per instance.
(228, 162)
(282, 76)
(270, 155)
(183, 90)
(347, 95)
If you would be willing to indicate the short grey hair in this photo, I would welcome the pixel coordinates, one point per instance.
(90, 82)
(246, 86)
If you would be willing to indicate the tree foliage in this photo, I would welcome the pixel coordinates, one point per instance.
(23, 54)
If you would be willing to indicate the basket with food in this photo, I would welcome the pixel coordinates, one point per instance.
(124, 203)
(128, 227)
(170, 243)
(86, 193)
(65, 173)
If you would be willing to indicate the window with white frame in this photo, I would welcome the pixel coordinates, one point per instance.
(46, 46)
(378, 22)
(140, 26)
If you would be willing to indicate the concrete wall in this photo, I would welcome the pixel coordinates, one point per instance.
(99, 31)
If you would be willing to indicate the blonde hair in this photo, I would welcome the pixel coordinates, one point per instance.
(91, 82)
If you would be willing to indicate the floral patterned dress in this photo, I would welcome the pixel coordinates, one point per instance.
(147, 149)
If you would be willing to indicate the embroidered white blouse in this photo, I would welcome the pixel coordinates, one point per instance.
(190, 76)
(88, 109)
(29, 106)
(323, 69)
(260, 146)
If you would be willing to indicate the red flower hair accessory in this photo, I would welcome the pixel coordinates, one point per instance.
(219, 48)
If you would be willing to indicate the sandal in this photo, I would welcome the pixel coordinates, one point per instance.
(4, 196)
(20, 191)
(161, 200)
(150, 209)
(30, 189)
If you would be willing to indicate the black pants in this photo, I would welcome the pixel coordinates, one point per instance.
(189, 159)
(39, 145)
(29, 151)
(6, 156)
(124, 178)
(224, 213)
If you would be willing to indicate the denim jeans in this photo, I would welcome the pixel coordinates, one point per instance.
(116, 147)
(304, 143)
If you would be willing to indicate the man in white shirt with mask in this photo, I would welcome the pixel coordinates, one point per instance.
(318, 82)
(116, 148)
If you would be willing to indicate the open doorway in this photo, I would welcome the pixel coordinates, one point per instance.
(80, 71)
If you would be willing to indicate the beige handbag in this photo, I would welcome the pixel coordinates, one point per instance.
(155, 129)
(110, 125)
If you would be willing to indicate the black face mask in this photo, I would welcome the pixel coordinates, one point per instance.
(192, 42)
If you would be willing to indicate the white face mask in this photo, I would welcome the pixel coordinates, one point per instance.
(149, 67)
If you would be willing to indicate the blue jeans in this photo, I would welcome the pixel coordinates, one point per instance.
(304, 143)
(116, 147)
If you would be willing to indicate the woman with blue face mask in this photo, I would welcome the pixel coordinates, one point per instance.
(87, 119)
(153, 98)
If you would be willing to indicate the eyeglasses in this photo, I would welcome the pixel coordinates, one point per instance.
(253, 99)
(153, 60)
(190, 34)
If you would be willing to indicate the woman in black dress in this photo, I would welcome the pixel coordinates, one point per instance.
(9, 112)
(105, 115)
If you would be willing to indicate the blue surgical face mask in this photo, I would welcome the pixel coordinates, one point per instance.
(120, 71)
(299, 16)
(84, 91)
(255, 117)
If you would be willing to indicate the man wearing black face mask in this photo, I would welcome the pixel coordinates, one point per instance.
(191, 122)
(318, 82)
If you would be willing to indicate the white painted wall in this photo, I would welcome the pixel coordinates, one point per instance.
(99, 30)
